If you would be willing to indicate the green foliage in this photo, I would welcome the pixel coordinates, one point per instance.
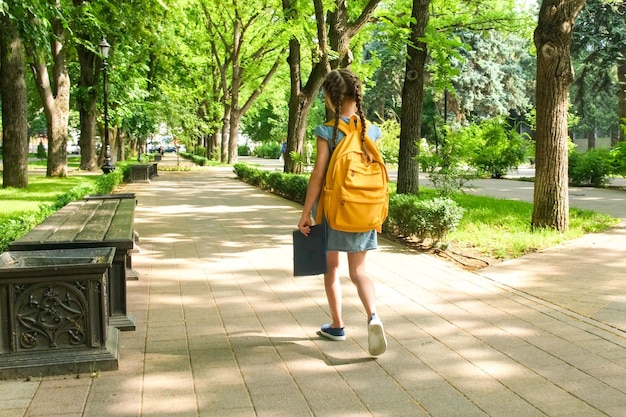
(290, 186)
(591, 168)
(432, 219)
(13, 229)
(500, 149)
(389, 143)
(198, 160)
(598, 37)
(447, 164)
(249, 174)
(267, 150)
(299, 161)
(501, 228)
(489, 85)
(243, 150)
(490, 147)
(618, 156)
(106, 183)
(41, 151)
(267, 122)
(199, 151)
(74, 194)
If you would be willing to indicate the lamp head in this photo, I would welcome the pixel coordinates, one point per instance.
(104, 48)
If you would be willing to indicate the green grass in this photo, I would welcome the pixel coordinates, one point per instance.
(73, 161)
(40, 190)
(501, 228)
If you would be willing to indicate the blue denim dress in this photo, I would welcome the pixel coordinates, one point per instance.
(347, 241)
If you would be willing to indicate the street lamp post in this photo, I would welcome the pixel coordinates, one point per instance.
(107, 166)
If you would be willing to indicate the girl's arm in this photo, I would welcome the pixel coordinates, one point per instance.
(316, 182)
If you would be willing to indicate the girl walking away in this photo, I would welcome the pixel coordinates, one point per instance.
(343, 95)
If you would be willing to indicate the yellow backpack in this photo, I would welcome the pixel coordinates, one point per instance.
(355, 196)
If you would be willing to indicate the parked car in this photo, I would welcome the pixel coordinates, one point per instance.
(73, 149)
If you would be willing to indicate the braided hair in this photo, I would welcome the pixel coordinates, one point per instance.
(338, 86)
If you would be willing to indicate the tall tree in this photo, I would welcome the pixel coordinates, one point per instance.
(14, 105)
(598, 46)
(335, 29)
(432, 37)
(86, 91)
(303, 92)
(413, 100)
(49, 66)
(247, 46)
(552, 38)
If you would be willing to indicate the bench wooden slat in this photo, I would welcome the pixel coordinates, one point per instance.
(75, 223)
(48, 227)
(96, 229)
(121, 227)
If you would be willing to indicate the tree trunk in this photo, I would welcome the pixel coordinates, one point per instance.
(117, 144)
(554, 76)
(235, 118)
(591, 139)
(13, 96)
(55, 96)
(225, 134)
(413, 101)
(621, 94)
(86, 100)
(212, 144)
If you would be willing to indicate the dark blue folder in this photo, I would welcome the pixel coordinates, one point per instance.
(309, 252)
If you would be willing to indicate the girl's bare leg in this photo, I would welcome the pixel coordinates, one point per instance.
(332, 285)
(363, 283)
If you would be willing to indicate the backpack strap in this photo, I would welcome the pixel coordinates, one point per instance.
(346, 128)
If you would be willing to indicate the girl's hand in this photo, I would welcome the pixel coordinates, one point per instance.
(304, 225)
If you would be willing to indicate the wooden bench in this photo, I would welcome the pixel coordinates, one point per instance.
(105, 221)
(143, 172)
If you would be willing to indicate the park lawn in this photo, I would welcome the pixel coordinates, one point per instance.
(501, 229)
(41, 190)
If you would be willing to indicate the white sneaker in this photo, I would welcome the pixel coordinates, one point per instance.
(376, 340)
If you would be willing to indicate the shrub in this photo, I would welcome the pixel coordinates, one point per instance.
(298, 160)
(41, 151)
(200, 151)
(196, 159)
(14, 229)
(243, 150)
(502, 149)
(590, 168)
(423, 219)
(389, 143)
(290, 186)
(618, 159)
(446, 165)
(268, 150)
(106, 183)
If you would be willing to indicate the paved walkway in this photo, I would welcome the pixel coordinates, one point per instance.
(224, 329)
